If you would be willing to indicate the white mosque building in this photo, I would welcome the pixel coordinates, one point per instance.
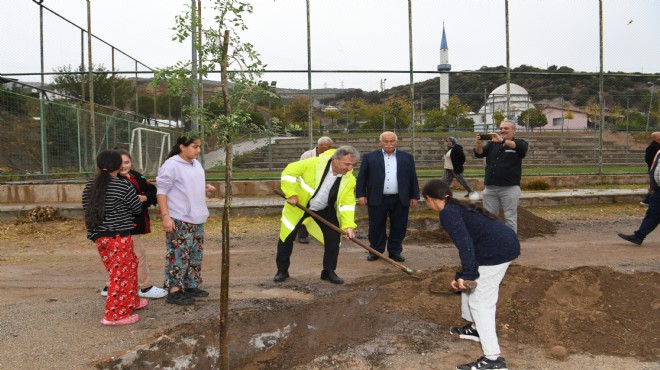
(519, 101)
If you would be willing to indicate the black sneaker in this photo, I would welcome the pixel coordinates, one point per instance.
(466, 332)
(196, 293)
(484, 363)
(180, 298)
(631, 238)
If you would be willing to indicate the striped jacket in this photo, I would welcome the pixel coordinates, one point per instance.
(121, 204)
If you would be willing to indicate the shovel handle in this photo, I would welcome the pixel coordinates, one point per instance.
(401, 267)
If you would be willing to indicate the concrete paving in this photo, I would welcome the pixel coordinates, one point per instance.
(272, 204)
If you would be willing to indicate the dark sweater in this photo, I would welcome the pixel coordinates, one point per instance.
(503, 164)
(651, 150)
(480, 241)
(457, 157)
(143, 187)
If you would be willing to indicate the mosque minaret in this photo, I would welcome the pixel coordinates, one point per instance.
(444, 67)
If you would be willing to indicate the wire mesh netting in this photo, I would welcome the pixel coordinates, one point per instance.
(55, 139)
(559, 109)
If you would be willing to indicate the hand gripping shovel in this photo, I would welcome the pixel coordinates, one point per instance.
(401, 267)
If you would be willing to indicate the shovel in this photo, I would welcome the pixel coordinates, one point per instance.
(401, 267)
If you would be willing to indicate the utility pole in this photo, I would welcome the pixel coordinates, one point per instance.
(648, 118)
(193, 69)
(382, 90)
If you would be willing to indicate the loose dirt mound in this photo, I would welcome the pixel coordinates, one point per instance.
(586, 310)
(425, 228)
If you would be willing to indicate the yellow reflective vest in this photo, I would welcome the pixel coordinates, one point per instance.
(301, 179)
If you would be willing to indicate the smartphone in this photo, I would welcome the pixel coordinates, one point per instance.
(484, 137)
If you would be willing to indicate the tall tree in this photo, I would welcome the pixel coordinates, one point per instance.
(145, 106)
(297, 110)
(356, 108)
(223, 47)
(73, 82)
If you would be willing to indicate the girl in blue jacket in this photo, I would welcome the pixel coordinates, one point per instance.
(486, 247)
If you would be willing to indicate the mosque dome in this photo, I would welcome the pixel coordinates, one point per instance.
(515, 90)
(519, 101)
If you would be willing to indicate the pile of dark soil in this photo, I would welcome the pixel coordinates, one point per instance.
(425, 229)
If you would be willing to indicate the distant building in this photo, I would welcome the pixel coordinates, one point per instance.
(329, 108)
(519, 101)
(563, 118)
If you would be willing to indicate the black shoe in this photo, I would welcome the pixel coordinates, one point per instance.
(330, 276)
(631, 238)
(179, 298)
(196, 293)
(465, 332)
(484, 363)
(281, 276)
(397, 257)
(303, 240)
(372, 257)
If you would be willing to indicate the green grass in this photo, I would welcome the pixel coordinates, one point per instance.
(217, 173)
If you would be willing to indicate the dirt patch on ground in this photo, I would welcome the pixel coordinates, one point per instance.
(579, 288)
(424, 227)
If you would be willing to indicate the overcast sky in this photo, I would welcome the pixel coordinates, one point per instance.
(349, 35)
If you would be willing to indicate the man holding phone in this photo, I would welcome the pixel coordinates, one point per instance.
(504, 154)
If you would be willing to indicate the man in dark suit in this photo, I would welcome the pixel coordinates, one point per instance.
(387, 184)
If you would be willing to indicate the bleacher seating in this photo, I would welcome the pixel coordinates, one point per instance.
(546, 150)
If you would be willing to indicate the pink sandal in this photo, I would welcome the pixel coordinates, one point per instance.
(125, 321)
(143, 303)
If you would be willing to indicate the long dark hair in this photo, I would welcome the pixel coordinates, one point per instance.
(439, 189)
(184, 140)
(107, 161)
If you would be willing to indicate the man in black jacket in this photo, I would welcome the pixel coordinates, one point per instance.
(504, 154)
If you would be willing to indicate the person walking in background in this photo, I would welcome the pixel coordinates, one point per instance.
(182, 202)
(324, 143)
(652, 216)
(651, 150)
(325, 185)
(110, 204)
(454, 160)
(147, 193)
(387, 185)
(486, 248)
(504, 154)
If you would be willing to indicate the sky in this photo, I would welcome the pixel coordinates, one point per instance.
(347, 35)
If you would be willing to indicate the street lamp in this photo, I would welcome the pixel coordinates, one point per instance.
(648, 118)
(270, 127)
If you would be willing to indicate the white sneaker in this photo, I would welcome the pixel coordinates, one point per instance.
(152, 292)
(104, 291)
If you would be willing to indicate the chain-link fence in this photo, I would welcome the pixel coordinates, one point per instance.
(559, 110)
(47, 140)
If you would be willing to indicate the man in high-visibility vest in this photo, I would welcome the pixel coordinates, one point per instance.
(324, 143)
(325, 185)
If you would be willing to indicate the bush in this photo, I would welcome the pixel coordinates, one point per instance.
(538, 184)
